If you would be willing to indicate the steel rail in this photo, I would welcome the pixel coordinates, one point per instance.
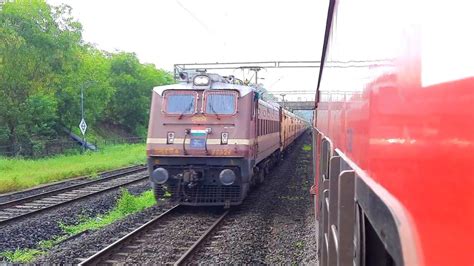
(127, 171)
(101, 256)
(107, 251)
(22, 213)
(190, 251)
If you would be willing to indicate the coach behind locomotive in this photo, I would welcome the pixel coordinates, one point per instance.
(210, 139)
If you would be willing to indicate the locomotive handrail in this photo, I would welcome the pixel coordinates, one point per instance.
(205, 144)
(184, 141)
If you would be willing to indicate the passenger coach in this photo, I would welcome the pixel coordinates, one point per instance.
(394, 134)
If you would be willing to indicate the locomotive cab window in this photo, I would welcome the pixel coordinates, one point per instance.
(220, 102)
(180, 103)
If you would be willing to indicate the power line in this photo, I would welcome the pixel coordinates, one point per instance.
(291, 92)
(286, 64)
(194, 16)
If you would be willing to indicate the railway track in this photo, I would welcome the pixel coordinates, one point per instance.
(23, 207)
(151, 232)
(10, 196)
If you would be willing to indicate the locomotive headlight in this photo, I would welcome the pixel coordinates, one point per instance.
(159, 176)
(201, 80)
(170, 138)
(227, 177)
(224, 138)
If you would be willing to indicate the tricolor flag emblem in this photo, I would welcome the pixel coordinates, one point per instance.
(198, 132)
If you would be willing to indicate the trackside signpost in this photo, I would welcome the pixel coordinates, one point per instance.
(83, 128)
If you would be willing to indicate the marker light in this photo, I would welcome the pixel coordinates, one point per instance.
(170, 138)
(227, 177)
(159, 176)
(224, 138)
(201, 80)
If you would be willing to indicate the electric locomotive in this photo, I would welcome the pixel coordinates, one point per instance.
(211, 138)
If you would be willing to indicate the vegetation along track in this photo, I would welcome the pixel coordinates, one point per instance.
(26, 206)
(153, 233)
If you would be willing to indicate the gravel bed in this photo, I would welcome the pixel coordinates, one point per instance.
(160, 245)
(29, 232)
(70, 252)
(48, 187)
(275, 225)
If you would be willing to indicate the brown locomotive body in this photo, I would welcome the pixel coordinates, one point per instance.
(209, 140)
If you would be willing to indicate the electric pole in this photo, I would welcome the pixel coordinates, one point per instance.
(255, 69)
(283, 100)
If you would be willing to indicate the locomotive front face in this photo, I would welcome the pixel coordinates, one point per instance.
(199, 144)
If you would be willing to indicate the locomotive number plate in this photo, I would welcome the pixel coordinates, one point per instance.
(198, 143)
(198, 118)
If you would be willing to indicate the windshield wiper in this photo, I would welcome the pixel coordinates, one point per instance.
(186, 110)
(214, 111)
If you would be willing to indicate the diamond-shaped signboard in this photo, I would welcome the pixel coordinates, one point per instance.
(83, 126)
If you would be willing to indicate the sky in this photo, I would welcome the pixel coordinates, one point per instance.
(168, 32)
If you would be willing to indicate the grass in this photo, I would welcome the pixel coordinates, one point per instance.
(21, 255)
(306, 147)
(17, 174)
(127, 204)
(299, 244)
(48, 244)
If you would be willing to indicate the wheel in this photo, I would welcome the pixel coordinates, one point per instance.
(267, 169)
(253, 180)
(359, 237)
(261, 176)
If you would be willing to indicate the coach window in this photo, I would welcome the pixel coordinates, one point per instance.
(222, 103)
(180, 102)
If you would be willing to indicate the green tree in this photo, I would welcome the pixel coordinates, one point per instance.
(133, 82)
(92, 74)
(44, 63)
(34, 52)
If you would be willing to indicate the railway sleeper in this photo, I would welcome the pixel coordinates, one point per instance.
(47, 203)
(181, 248)
(61, 197)
(82, 192)
(131, 247)
(12, 210)
(29, 207)
(111, 261)
(121, 254)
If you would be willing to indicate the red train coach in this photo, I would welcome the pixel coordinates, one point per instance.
(211, 138)
(394, 134)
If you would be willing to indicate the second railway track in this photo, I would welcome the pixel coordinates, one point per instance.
(154, 232)
(20, 208)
